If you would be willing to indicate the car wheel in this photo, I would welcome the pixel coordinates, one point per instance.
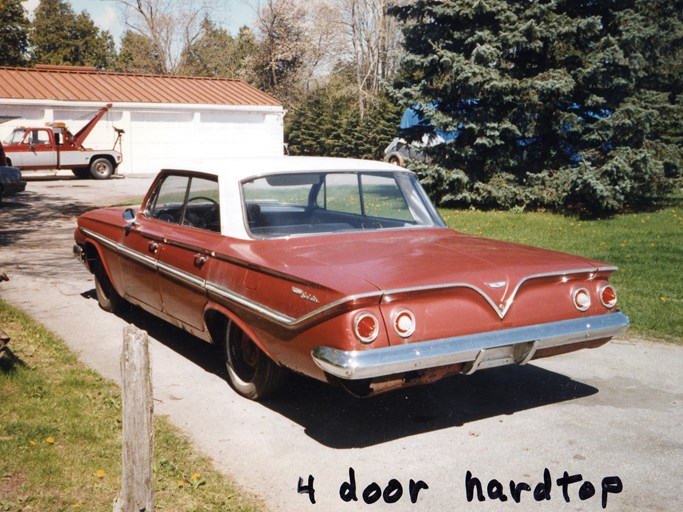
(250, 372)
(396, 159)
(101, 169)
(107, 297)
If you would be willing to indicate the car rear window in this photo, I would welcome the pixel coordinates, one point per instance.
(313, 203)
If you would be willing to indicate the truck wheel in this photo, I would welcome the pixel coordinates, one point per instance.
(81, 173)
(250, 372)
(101, 169)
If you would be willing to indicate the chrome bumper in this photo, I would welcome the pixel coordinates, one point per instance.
(478, 351)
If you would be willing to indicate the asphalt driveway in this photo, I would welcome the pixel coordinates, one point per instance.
(597, 429)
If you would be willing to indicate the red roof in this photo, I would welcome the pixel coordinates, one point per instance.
(65, 83)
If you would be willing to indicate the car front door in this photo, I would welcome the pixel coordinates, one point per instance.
(144, 239)
(186, 253)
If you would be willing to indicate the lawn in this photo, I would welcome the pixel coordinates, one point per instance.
(60, 436)
(647, 248)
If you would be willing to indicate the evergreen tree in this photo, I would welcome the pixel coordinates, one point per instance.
(13, 33)
(542, 94)
(328, 123)
(137, 55)
(208, 55)
(58, 36)
(215, 53)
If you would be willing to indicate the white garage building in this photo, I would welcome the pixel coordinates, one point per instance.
(168, 121)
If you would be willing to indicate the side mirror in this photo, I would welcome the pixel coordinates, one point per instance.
(129, 215)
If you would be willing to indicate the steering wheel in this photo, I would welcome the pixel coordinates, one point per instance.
(202, 219)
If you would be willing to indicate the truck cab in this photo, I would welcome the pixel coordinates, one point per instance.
(32, 148)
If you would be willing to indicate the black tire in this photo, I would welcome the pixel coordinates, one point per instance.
(101, 168)
(250, 372)
(81, 173)
(107, 297)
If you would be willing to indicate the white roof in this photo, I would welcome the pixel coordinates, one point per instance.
(242, 168)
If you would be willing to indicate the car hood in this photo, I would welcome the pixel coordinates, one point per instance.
(409, 259)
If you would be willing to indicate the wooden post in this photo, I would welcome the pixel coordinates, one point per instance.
(137, 482)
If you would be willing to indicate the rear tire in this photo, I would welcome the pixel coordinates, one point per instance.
(107, 296)
(101, 168)
(250, 372)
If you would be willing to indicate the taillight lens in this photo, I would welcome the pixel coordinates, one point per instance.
(582, 299)
(404, 323)
(366, 327)
(608, 296)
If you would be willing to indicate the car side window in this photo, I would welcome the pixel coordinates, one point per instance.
(168, 199)
(202, 208)
(187, 200)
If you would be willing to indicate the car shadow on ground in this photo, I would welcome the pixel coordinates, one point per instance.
(338, 420)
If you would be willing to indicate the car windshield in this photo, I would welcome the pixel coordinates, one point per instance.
(300, 204)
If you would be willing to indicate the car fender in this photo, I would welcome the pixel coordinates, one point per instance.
(213, 308)
(93, 251)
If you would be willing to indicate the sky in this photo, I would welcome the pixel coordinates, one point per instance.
(106, 14)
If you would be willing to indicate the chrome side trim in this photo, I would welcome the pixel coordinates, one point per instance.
(398, 359)
(182, 276)
(276, 315)
(250, 304)
(501, 312)
(286, 320)
(121, 249)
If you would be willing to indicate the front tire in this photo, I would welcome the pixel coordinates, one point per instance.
(101, 168)
(107, 296)
(250, 372)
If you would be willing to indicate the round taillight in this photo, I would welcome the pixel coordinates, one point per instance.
(404, 323)
(582, 299)
(608, 296)
(366, 327)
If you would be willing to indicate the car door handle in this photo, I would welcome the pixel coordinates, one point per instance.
(199, 260)
(153, 247)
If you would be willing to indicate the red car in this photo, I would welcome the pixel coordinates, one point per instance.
(341, 270)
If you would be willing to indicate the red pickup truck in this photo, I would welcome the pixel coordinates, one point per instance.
(55, 147)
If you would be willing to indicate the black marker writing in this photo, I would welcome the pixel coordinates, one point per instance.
(495, 490)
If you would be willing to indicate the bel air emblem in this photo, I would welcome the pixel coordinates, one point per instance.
(496, 284)
(305, 295)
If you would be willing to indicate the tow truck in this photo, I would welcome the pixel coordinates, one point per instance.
(55, 147)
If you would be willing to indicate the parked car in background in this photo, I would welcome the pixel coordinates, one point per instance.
(10, 178)
(341, 270)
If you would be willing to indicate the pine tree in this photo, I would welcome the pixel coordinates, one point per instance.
(137, 55)
(540, 93)
(13, 33)
(58, 36)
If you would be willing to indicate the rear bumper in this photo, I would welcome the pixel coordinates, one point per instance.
(477, 351)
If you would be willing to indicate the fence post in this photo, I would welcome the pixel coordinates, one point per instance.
(137, 480)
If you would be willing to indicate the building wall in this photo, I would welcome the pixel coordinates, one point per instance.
(163, 136)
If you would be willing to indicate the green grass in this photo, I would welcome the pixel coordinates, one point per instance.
(60, 436)
(647, 248)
